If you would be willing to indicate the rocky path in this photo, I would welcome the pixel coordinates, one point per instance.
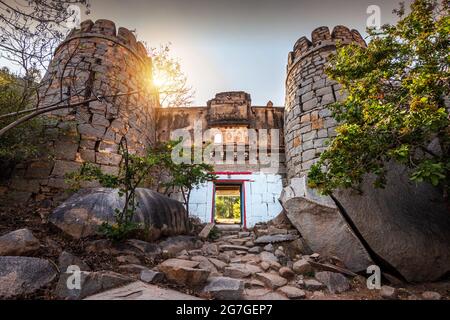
(269, 262)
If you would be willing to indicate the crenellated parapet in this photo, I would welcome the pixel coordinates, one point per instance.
(308, 122)
(112, 72)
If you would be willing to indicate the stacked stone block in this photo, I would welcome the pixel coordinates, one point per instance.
(308, 122)
(112, 71)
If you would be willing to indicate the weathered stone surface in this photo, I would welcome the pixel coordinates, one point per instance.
(128, 259)
(431, 295)
(150, 276)
(292, 292)
(67, 259)
(263, 294)
(132, 268)
(330, 267)
(23, 275)
(322, 226)
(174, 245)
(184, 272)
(335, 282)
(275, 238)
(220, 265)
(240, 270)
(255, 250)
(91, 283)
(227, 247)
(273, 281)
(312, 284)
(388, 293)
(223, 288)
(268, 257)
(204, 234)
(141, 291)
(82, 214)
(406, 224)
(147, 248)
(18, 243)
(206, 264)
(302, 267)
(286, 273)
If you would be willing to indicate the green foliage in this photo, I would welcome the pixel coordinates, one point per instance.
(214, 234)
(228, 207)
(134, 170)
(138, 171)
(20, 143)
(185, 176)
(396, 106)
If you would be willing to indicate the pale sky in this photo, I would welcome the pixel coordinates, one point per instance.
(235, 44)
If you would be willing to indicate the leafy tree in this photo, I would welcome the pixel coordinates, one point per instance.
(184, 177)
(134, 172)
(169, 79)
(20, 143)
(397, 106)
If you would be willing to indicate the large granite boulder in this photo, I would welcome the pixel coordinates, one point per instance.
(82, 214)
(20, 276)
(322, 226)
(406, 224)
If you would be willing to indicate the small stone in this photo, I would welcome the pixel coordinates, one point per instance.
(227, 247)
(302, 267)
(67, 259)
(274, 265)
(388, 293)
(253, 284)
(312, 284)
(255, 250)
(220, 265)
(315, 256)
(150, 276)
(204, 234)
(286, 273)
(223, 288)
(279, 253)
(244, 234)
(184, 272)
(268, 256)
(128, 259)
(132, 268)
(431, 295)
(275, 238)
(335, 282)
(18, 243)
(239, 270)
(265, 265)
(269, 248)
(292, 292)
(271, 280)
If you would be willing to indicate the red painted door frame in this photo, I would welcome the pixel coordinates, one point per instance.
(243, 196)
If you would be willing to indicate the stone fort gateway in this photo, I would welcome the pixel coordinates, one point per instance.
(261, 153)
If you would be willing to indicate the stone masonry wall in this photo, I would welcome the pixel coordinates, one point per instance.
(95, 61)
(308, 123)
